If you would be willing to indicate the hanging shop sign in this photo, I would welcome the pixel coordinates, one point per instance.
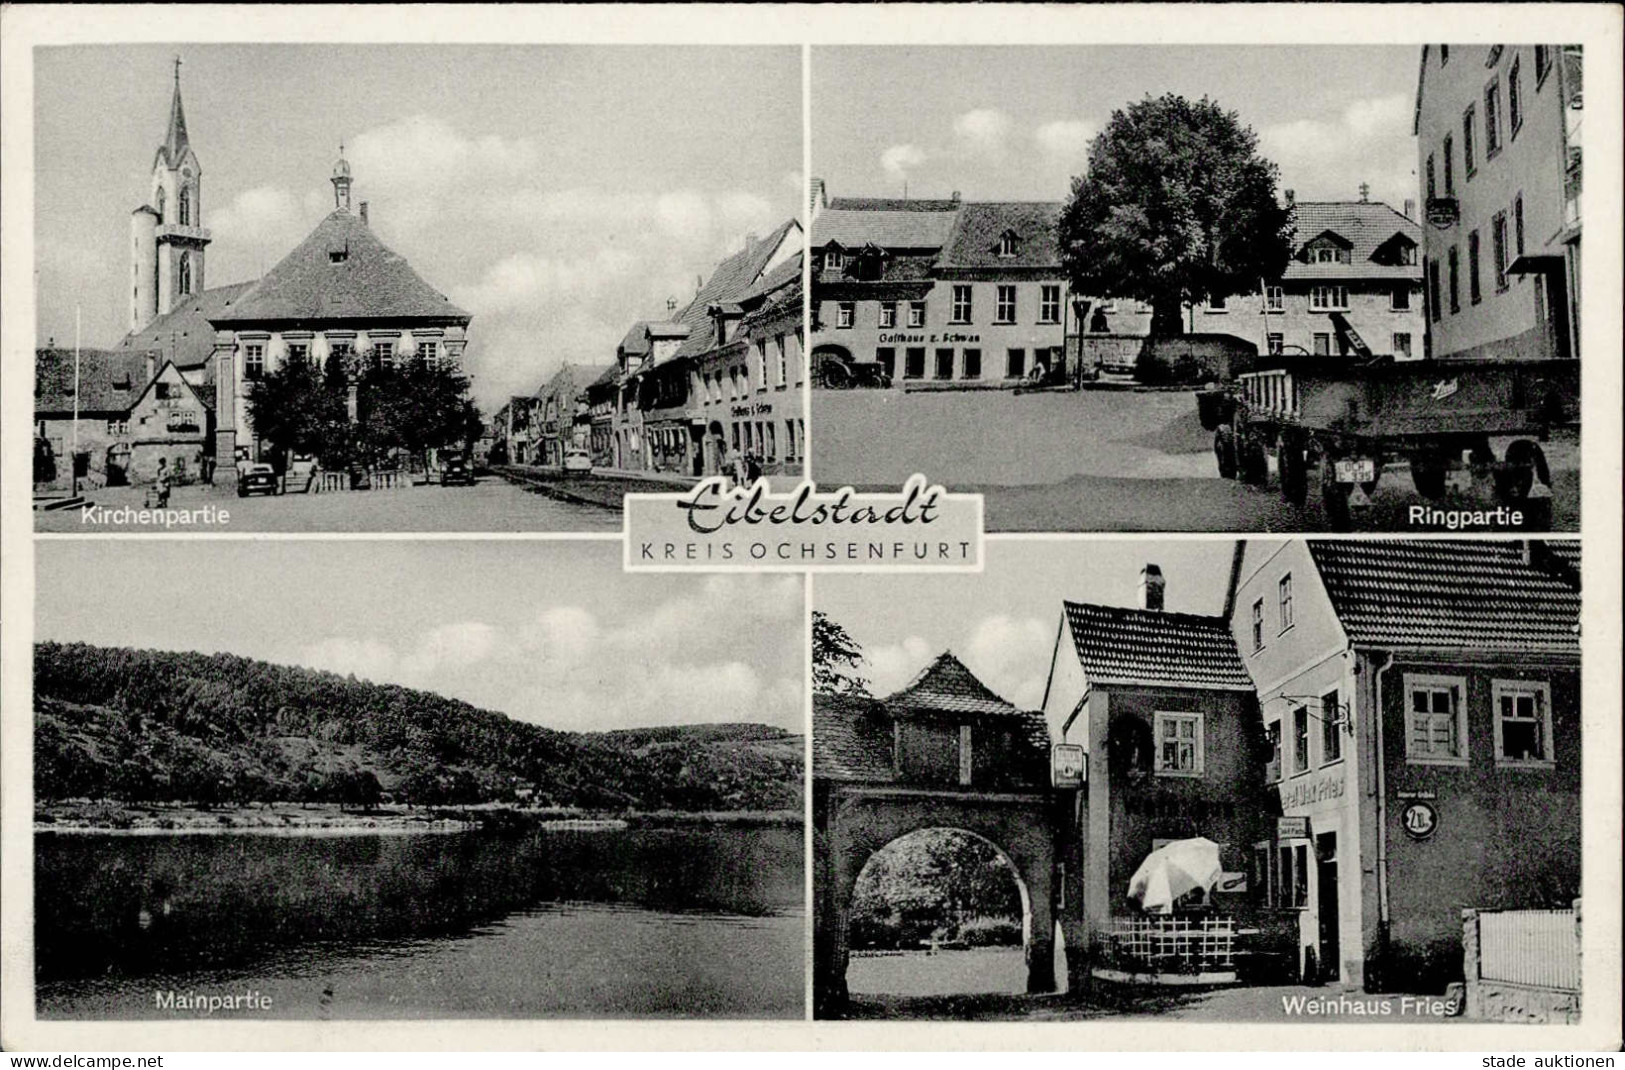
(1292, 828)
(1068, 766)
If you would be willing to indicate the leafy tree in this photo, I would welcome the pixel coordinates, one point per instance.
(415, 408)
(297, 407)
(836, 657)
(1177, 206)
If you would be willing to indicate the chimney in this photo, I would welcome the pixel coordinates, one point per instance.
(751, 239)
(671, 305)
(955, 197)
(363, 213)
(1365, 193)
(1410, 208)
(1152, 586)
(815, 198)
(1291, 197)
(152, 365)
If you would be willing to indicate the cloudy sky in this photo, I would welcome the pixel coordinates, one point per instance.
(1002, 622)
(551, 632)
(557, 193)
(1014, 123)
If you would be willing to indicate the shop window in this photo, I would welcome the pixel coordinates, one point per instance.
(1435, 720)
(1015, 363)
(971, 368)
(1283, 591)
(888, 314)
(844, 313)
(1004, 305)
(1523, 722)
(1258, 625)
(1179, 744)
(1300, 740)
(961, 312)
(1331, 729)
(944, 364)
(916, 313)
(914, 363)
(887, 358)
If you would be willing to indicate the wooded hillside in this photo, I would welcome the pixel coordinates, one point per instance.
(150, 725)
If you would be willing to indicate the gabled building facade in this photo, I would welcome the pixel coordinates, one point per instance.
(1422, 704)
(943, 291)
(1168, 717)
(1498, 134)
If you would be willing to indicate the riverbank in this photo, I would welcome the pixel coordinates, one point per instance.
(329, 819)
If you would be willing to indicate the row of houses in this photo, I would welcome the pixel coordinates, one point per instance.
(1378, 735)
(687, 393)
(963, 293)
(955, 292)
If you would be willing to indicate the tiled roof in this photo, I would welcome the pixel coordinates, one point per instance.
(851, 739)
(782, 275)
(730, 280)
(185, 335)
(980, 227)
(919, 225)
(1365, 226)
(636, 342)
(1482, 595)
(370, 282)
(1153, 648)
(946, 686)
(110, 380)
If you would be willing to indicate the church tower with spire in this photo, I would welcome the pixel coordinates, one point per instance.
(167, 235)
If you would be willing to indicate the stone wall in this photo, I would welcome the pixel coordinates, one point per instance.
(1506, 1001)
(1195, 358)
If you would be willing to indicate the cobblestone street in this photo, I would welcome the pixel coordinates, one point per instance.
(1101, 461)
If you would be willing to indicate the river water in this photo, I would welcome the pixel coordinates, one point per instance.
(690, 922)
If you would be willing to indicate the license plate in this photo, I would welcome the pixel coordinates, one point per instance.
(1362, 471)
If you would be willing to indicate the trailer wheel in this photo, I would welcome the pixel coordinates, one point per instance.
(1428, 471)
(1224, 451)
(1516, 477)
(1253, 461)
(1294, 470)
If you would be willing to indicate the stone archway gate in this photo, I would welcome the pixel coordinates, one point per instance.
(853, 821)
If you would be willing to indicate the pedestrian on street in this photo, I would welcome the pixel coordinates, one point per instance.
(753, 469)
(160, 485)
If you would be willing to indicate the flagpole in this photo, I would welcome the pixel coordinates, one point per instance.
(73, 459)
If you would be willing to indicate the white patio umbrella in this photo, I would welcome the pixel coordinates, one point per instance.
(1171, 871)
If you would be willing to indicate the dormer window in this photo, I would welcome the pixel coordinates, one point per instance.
(834, 258)
(1007, 244)
(338, 256)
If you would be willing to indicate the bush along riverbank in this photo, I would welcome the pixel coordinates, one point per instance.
(294, 819)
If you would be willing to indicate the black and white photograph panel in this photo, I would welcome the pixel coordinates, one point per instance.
(1227, 288)
(403, 288)
(571, 794)
(1257, 780)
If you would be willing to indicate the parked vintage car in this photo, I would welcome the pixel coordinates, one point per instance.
(255, 478)
(456, 469)
(577, 462)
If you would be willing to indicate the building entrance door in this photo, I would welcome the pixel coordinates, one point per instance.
(1326, 906)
